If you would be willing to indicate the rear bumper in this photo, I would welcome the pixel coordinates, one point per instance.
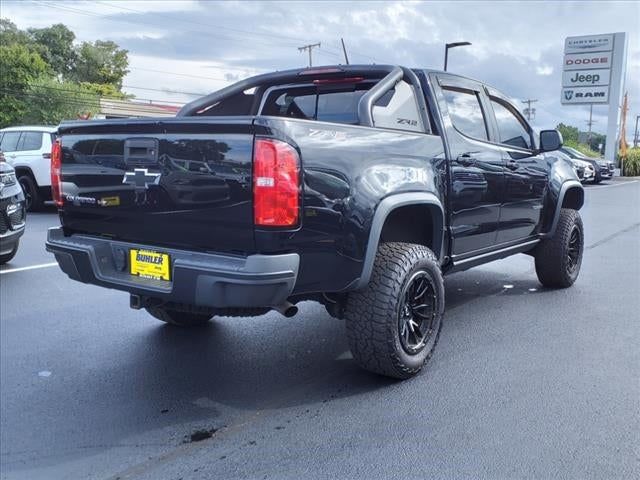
(200, 279)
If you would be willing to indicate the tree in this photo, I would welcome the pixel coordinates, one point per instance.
(569, 133)
(10, 34)
(101, 62)
(19, 66)
(105, 90)
(56, 45)
(52, 101)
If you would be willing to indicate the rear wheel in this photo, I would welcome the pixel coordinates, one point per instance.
(32, 197)
(178, 318)
(558, 259)
(7, 257)
(394, 323)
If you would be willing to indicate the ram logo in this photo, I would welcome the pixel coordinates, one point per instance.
(568, 94)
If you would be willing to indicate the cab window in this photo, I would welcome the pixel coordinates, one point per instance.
(511, 128)
(466, 113)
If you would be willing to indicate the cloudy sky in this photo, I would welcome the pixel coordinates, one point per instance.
(179, 49)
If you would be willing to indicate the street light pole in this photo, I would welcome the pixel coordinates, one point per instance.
(452, 45)
(635, 133)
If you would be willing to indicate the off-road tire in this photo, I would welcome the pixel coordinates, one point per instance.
(372, 314)
(178, 318)
(7, 257)
(554, 267)
(32, 197)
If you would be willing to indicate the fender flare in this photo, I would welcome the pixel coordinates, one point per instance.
(385, 207)
(564, 188)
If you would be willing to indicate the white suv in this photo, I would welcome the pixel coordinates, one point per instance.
(28, 150)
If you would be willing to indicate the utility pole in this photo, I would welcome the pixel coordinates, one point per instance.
(635, 133)
(529, 112)
(309, 47)
(344, 50)
(590, 122)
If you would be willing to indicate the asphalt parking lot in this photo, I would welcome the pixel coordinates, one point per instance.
(525, 382)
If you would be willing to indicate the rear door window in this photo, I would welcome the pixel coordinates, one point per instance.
(30, 141)
(10, 141)
(466, 112)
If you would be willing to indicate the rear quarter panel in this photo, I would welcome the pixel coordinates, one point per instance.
(347, 171)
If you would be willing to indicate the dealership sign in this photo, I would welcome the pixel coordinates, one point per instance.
(586, 69)
(593, 72)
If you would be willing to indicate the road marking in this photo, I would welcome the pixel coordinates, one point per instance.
(619, 184)
(31, 267)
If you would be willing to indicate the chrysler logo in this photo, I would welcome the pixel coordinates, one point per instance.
(568, 94)
(141, 178)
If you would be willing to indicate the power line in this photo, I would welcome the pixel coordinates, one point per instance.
(208, 33)
(310, 48)
(529, 112)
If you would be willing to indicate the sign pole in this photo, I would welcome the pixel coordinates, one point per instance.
(618, 70)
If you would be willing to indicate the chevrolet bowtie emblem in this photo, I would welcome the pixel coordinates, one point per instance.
(141, 178)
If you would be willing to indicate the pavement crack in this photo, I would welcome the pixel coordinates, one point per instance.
(612, 236)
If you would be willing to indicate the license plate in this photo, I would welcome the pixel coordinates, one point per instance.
(149, 264)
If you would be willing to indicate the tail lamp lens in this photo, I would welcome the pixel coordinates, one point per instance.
(276, 184)
(56, 167)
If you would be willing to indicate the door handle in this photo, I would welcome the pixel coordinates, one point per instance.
(512, 165)
(466, 160)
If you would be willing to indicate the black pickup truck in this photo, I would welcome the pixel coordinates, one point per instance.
(354, 186)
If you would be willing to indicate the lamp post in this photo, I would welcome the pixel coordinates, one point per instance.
(452, 45)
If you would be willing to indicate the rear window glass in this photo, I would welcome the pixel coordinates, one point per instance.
(30, 141)
(10, 141)
(310, 103)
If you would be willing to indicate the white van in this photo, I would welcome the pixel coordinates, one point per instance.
(28, 150)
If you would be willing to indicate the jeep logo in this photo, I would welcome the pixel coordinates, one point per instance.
(591, 78)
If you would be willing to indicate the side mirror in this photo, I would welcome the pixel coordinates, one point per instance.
(550, 140)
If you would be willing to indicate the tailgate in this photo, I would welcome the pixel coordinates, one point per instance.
(173, 182)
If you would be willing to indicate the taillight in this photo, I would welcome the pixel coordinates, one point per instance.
(276, 183)
(56, 166)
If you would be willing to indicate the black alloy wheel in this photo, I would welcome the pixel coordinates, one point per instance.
(417, 313)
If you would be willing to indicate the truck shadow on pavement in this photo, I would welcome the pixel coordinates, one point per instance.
(272, 362)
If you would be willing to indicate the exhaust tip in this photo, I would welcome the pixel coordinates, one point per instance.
(287, 309)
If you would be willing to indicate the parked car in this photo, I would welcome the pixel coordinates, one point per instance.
(28, 150)
(12, 212)
(354, 186)
(603, 169)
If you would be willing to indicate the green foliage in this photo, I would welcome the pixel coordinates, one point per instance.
(569, 133)
(56, 47)
(10, 34)
(582, 148)
(52, 101)
(45, 78)
(631, 163)
(19, 66)
(101, 62)
(105, 90)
